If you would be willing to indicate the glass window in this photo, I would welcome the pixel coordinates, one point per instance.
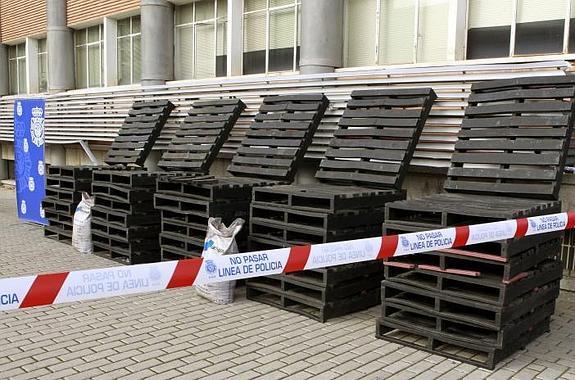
(390, 38)
(89, 57)
(201, 39)
(540, 26)
(42, 66)
(129, 50)
(271, 41)
(489, 28)
(397, 31)
(17, 69)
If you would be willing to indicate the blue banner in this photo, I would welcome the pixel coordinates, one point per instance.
(29, 159)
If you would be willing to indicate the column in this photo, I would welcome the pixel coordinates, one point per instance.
(32, 65)
(456, 30)
(110, 51)
(60, 48)
(321, 36)
(157, 42)
(3, 166)
(4, 79)
(234, 47)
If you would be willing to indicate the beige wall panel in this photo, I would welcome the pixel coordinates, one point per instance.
(80, 11)
(22, 18)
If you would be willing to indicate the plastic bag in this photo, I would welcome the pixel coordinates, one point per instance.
(82, 231)
(220, 240)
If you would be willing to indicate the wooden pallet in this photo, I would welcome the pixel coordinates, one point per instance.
(122, 193)
(311, 307)
(139, 133)
(469, 312)
(486, 289)
(278, 138)
(201, 136)
(59, 205)
(514, 138)
(200, 207)
(467, 262)
(437, 344)
(506, 248)
(126, 234)
(123, 219)
(135, 178)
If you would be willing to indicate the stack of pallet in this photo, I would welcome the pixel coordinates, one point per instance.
(363, 169)
(193, 149)
(125, 226)
(481, 303)
(274, 144)
(64, 187)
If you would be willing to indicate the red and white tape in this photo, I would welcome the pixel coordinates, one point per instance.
(48, 289)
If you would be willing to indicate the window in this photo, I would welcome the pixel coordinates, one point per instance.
(201, 39)
(383, 32)
(89, 58)
(129, 50)
(271, 36)
(503, 28)
(42, 66)
(17, 68)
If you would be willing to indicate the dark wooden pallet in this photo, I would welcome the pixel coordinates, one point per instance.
(200, 207)
(443, 210)
(467, 262)
(437, 344)
(130, 178)
(76, 173)
(376, 138)
(59, 205)
(201, 135)
(139, 133)
(472, 313)
(58, 233)
(190, 246)
(65, 195)
(506, 249)
(324, 197)
(477, 337)
(311, 307)
(62, 183)
(139, 208)
(126, 234)
(289, 225)
(278, 138)
(211, 188)
(170, 253)
(486, 289)
(521, 133)
(122, 193)
(59, 216)
(140, 252)
(123, 219)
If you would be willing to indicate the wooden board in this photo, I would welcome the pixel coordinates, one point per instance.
(198, 141)
(514, 139)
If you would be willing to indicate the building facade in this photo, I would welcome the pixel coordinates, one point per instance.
(92, 59)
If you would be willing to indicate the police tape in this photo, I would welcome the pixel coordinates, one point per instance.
(56, 288)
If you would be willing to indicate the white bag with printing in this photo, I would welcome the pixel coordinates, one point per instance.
(82, 230)
(220, 240)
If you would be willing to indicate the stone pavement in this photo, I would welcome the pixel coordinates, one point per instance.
(175, 334)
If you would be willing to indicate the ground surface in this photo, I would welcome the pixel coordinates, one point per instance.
(176, 334)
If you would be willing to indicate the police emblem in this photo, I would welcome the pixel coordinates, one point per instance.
(404, 242)
(37, 126)
(211, 267)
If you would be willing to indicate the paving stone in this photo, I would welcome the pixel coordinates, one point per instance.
(178, 334)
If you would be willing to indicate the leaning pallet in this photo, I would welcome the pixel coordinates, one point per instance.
(274, 145)
(364, 169)
(131, 147)
(481, 303)
(125, 225)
